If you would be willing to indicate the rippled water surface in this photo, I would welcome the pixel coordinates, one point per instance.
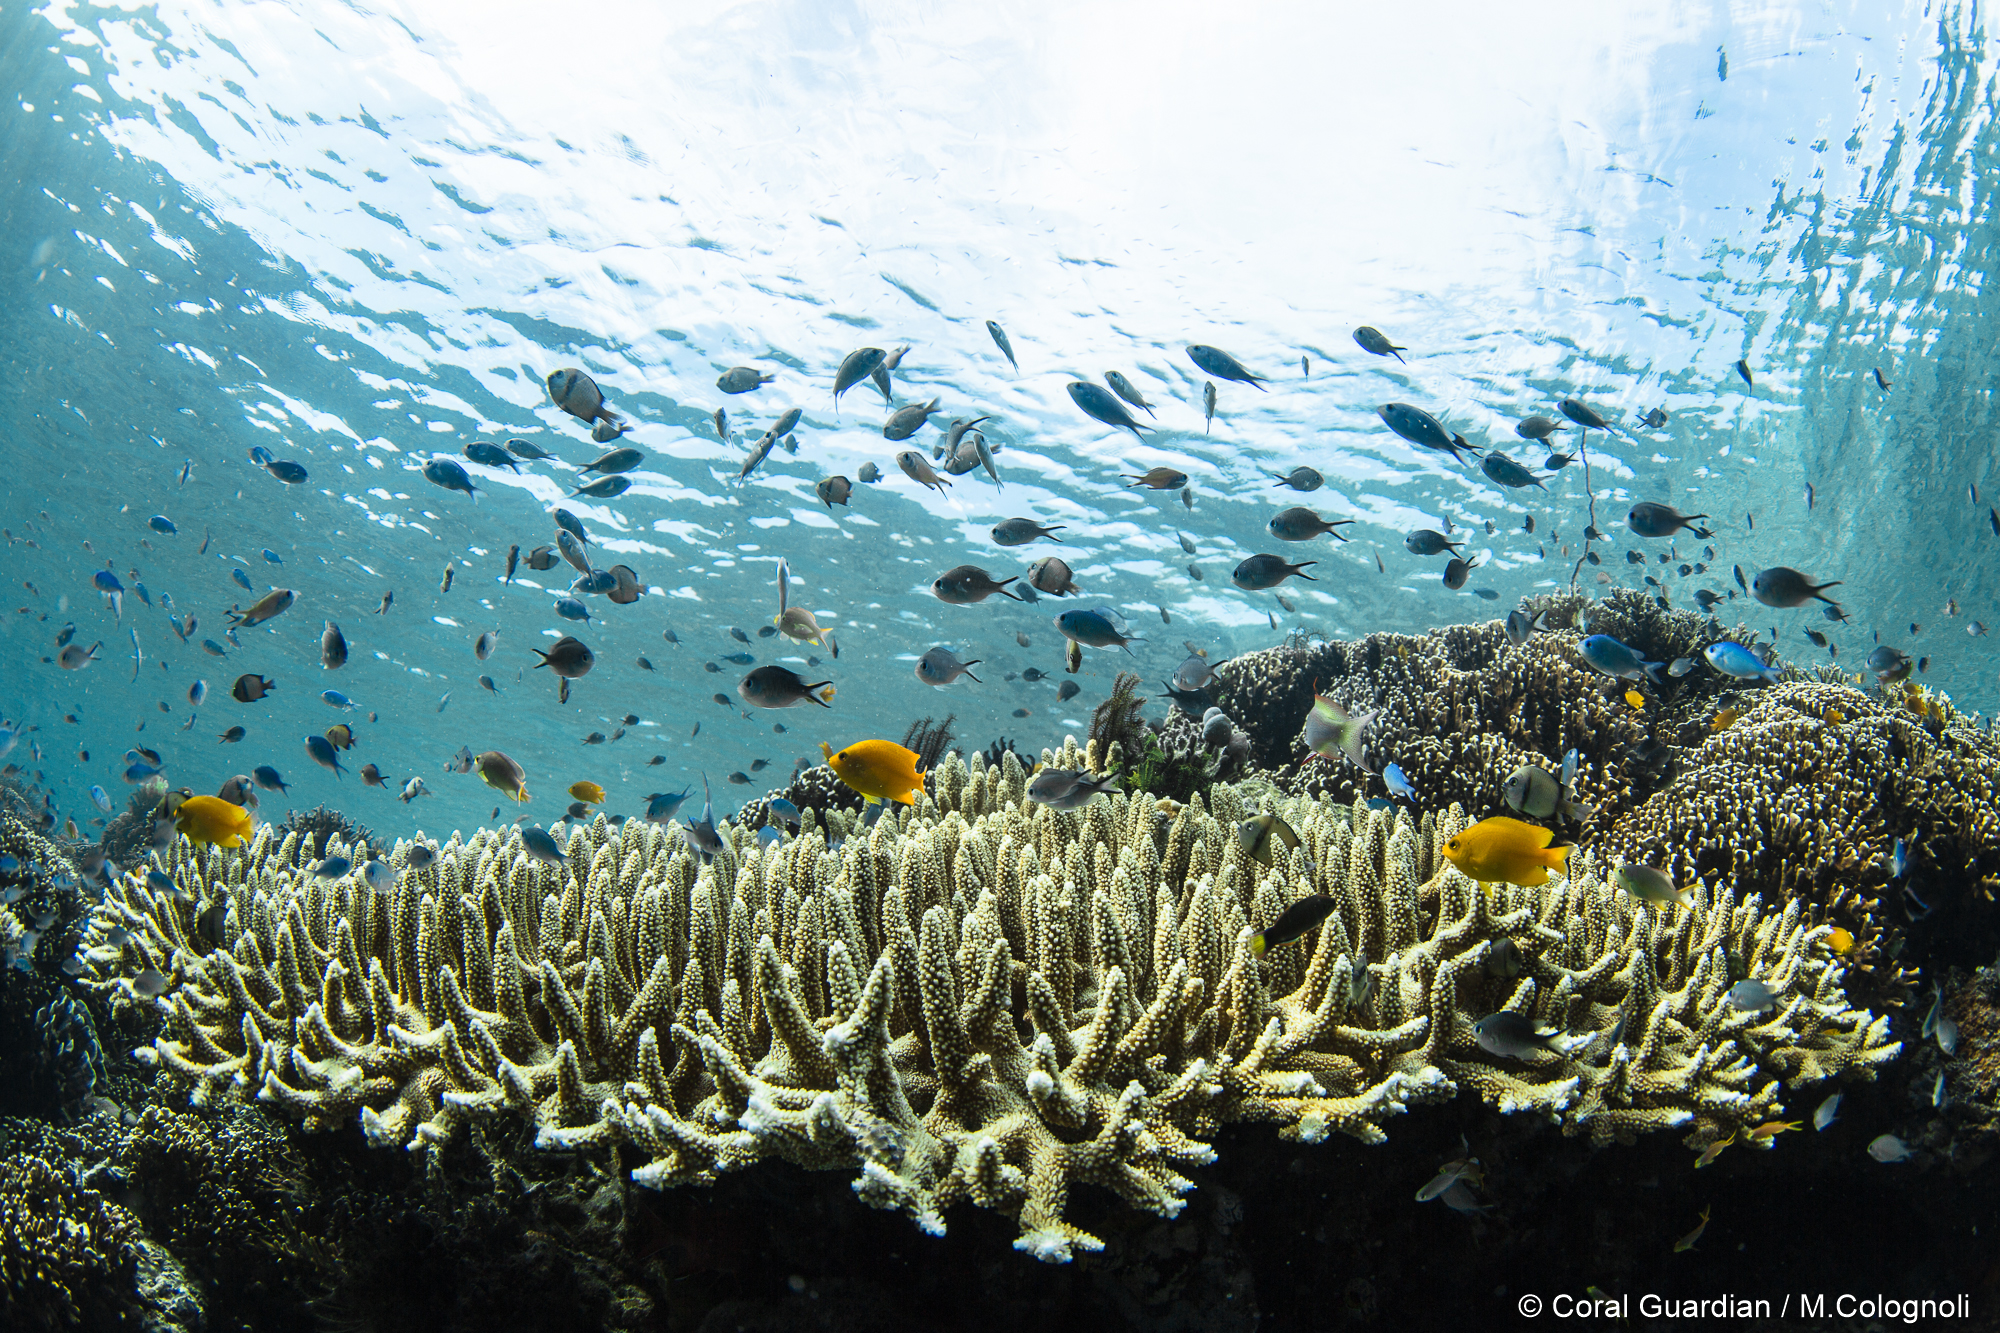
(359, 239)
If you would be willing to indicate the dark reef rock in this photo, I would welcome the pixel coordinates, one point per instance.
(322, 824)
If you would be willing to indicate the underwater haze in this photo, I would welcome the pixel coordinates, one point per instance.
(362, 239)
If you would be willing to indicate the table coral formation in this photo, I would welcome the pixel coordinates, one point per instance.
(974, 1000)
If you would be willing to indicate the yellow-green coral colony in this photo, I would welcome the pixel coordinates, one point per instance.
(977, 999)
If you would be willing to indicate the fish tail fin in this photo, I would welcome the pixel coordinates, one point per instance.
(1557, 858)
(1654, 670)
(826, 750)
(1703, 533)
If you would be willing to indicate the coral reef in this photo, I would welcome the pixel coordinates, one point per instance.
(1462, 706)
(67, 1256)
(321, 825)
(1807, 793)
(976, 1000)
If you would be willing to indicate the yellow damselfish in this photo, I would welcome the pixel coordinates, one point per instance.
(213, 820)
(1506, 851)
(879, 770)
(587, 792)
(1634, 698)
(1841, 940)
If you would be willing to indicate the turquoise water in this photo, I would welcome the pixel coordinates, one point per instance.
(360, 242)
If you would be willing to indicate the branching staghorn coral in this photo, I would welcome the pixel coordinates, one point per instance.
(976, 999)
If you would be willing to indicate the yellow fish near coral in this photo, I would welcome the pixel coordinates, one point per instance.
(1506, 851)
(503, 775)
(213, 820)
(879, 770)
(587, 792)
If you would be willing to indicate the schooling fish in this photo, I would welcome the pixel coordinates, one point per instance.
(1421, 428)
(447, 473)
(1504, 471)
(491, 455)
(608, 489)
(742, 379)
(1606, 654)
(1299, 525)
(1094, 629)
(1158, 479)
(1068, 789)
(250, 688)
(855, 367)
(1100, 405)
(940, 666)
(1582, 414)
(999, 336)
(662, 806)
(1652, 885)
(1657, 520)
(1372, 340)
(1207, 405)
(322, 752)
(332, 647)
(1124, 389)
(1259, 572)
(777, 687)
(1784, 588)
(1216, 362)
(1300, 479)
(918, 469)
(967, 585)
(1424, 541)
(577, 394)
(1021, 531)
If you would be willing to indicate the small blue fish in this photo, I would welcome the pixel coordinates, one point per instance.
(571, 609)
(197, 692)
(701, 834)
(1094, 629)
(269, 778)
(661, 807)
(144, 596)
(379, 876)
(337, 699)
(106, 581)
(100, 799)
(273, 557)
(292, 474)
(163, 525)
(137, 773)
(1733, 659)
(242, 580)
(1615, 659)
(322, 752)
(1398, 785)
(213, 649)
(540, 846)
(333, 867)
(1899, 858)
(160, 882)
(448, 474)
(261, 456)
